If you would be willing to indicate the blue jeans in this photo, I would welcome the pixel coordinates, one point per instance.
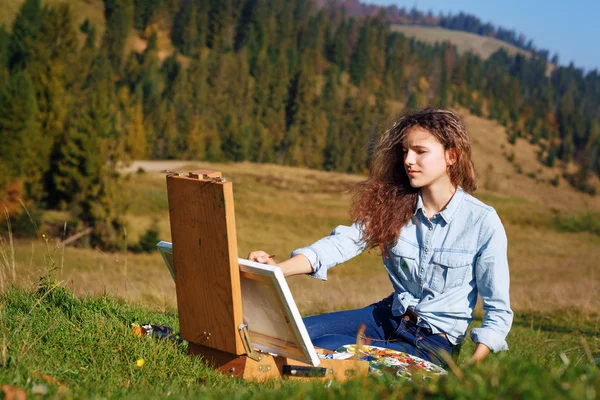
(330, 331)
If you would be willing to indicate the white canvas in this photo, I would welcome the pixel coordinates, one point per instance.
(166, 250)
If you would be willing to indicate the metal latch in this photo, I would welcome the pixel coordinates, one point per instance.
(253, 354)
(304, 371)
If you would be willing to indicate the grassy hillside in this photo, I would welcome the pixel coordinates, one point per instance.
(81, 10)
(483, 46)
(464, 41)
(80, 336)
(554, 232)
(67, 347)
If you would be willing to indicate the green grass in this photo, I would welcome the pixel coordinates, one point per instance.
(87, 346)
(578, 222)
(84, 340)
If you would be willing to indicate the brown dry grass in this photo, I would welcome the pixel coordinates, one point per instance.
(165, 46)
(464, 41)
(91, 9)
(483, 46)
(497, 174)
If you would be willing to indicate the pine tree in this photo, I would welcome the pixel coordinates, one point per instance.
(275, 109)
(25, 34)
(148, 85)
(4, 41)
(85, 162)
(71, 175)
(253, 33)
(316, 141)
(332, 154)
(261, 145)
(195, 140)
(359, 63)
(197, 84)
(119, 21)
(332, 105)
(136, 134)
(411, 103)
(48, 53)
(190, 28)
(185, 115)
(20, 131)
(170, 133)
(552, 153)
(381, 107)
(360, 129)
(394, 82)
(220, 25)
(336, 44)
(213, 146)
(299, 117)
(444, 87)
(567, 149)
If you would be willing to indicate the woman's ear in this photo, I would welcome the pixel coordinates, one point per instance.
(451, 156)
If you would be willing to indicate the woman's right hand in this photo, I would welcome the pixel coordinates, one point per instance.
(261, 257)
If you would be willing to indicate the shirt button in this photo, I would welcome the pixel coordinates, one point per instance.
(431, 228)
(426, 249)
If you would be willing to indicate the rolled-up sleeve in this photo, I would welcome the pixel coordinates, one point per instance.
(344, 243)
(493, 283)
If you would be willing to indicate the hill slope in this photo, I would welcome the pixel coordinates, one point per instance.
(464, 41)
(281, 208)
(69, 347)
(81, 10)
(483, 46)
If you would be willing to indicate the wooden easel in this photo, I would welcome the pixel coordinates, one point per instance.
(208, 290)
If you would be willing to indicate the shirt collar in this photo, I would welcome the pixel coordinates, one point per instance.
(450, 210)
(419, 204)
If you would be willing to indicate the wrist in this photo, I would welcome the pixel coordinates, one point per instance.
(481, 352)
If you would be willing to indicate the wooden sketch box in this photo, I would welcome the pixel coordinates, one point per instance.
(238, 315)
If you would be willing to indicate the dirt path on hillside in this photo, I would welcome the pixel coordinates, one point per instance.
(155, 166)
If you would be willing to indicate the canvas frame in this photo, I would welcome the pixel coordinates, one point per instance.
(272, 318)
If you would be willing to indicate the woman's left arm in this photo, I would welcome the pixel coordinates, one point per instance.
(481, 351)
(493, 282)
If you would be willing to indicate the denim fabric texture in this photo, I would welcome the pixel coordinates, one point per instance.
(438, 267)
(333, 330)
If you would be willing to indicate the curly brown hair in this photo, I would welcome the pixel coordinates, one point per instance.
(385, 202)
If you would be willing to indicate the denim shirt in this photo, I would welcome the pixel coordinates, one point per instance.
(438, 267)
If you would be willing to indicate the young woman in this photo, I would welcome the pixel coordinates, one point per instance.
(440, 246)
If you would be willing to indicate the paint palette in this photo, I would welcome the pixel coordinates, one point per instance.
(385, 361)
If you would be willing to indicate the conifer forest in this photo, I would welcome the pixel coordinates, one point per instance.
(289, 82)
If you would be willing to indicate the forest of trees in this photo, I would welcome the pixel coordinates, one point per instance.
(261, 80)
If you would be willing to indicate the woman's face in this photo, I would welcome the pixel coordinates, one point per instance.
(425, 159)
